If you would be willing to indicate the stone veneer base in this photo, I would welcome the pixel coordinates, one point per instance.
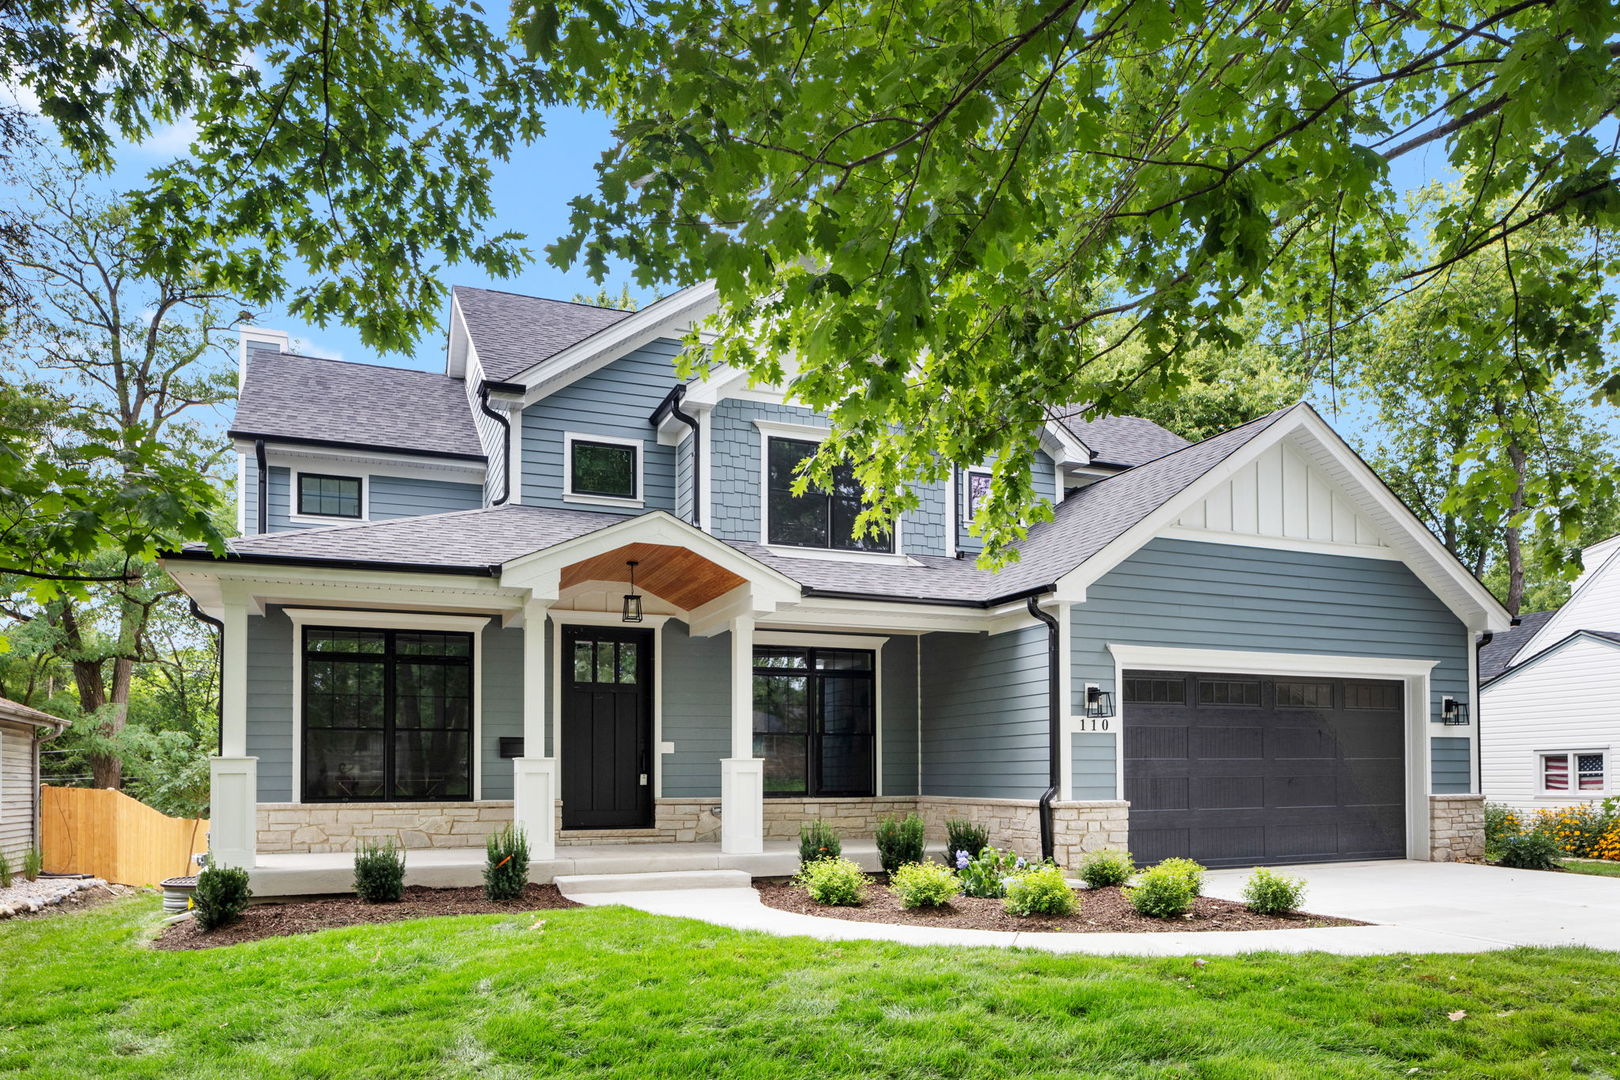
(1456, 827)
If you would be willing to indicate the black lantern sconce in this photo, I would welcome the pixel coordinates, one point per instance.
(1453, 713)
(1099, 703)
(632, 599)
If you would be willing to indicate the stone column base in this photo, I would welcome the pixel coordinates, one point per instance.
(1456, 828)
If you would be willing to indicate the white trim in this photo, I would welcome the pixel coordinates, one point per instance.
(241, 494)
(825, 641)
(568, 492)
(788, 551)
(385, 620)
(1280, 543)
(1573, 792)
(1477, 767)
(801, 432)
(608, 618)
(872, 644)
(404, 465)
(1057, 490)
(704, 488)
(1417, 711)
(1063, 612)
(965, 480)
(514, 455)
(327, 519)
(770, 429)
(952, 526)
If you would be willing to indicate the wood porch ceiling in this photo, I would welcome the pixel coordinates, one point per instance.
(677, 575)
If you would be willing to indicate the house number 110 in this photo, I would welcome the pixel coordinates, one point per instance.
(1092, 723)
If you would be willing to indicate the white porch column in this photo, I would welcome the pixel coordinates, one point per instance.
(742, 775)
(534, 778)
(233, 777)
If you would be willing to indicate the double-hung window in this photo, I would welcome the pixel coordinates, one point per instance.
(329, 496)
(816, 519)
(387, 715)
(815, 720)
(1576, 773)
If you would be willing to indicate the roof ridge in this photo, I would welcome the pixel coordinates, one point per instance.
(547, 299)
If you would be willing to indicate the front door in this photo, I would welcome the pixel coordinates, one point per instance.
(607, 727)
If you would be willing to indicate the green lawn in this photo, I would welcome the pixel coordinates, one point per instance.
(610, 992)
(1596, 867)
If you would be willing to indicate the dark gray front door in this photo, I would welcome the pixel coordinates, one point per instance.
(606, 727)
(1236, 770)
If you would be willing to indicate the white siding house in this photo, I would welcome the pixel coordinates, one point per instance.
(1550, 697)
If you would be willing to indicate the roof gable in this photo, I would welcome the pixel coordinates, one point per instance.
(1125, 441)
(1497, 655)
(512, 332)
(1598, 637)
(1594, 605)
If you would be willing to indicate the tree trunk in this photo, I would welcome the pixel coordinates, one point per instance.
(1511, 535)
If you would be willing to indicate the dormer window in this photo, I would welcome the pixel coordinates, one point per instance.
(602, 469)
(975, 487)
(815, 519)
(329, 496)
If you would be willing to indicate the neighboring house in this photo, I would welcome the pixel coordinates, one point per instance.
(425, 633)
(21, 731)
(1550, 695)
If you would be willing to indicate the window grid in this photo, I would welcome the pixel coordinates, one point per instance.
(1304, 695)
(320, 495)
(816, 519)
(815, 721)
(1568, 772)
(1155, 691)
(1228, 692)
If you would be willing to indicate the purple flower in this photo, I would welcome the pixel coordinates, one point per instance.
(962, 860)
(1020, 864)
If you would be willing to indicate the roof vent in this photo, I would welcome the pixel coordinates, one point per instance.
(252, 337)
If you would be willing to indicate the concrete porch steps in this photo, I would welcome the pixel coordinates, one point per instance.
(573, 885)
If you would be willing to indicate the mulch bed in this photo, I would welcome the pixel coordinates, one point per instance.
(306, 916)
(1101, 911)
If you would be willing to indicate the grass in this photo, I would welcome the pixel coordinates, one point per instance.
(616, 993)
(1595, 867)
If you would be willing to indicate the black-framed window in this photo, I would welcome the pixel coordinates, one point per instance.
(815, 519)
(975, 487)
(329, 496)
(815, 720)
(387, 715)
(602, 468)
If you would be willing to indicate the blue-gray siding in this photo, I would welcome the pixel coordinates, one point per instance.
(270, 702)
(615, 401)
(685, 478)
(1043, 478)
(697, 711)
(501, 708)
(1095, 765)
(899, 718)
(387, 497)
(1191, 594)
(984, 708)
(1450, 766)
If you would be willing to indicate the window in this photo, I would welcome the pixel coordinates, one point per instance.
(1228, 692)
(1304, 695)
(1573, 772)
(1372, 695)
(816, 518)
(603, 469)
(328, 496)
(815, 720)
(387, 715)
(1155, 691)
(975, 486)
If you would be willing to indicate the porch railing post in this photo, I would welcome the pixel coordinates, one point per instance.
(742, 775)
(534, 778)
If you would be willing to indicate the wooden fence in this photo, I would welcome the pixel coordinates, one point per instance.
(106, 833)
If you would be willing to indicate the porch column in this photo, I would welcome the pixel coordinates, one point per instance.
(233, 777)
(742, 775)
(534, 779)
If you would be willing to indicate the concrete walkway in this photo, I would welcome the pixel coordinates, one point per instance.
(1418, 908)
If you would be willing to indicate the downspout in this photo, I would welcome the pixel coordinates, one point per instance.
(506, 443)
(219, 655)
(1054, 729)
(677, 397)
(264, 487)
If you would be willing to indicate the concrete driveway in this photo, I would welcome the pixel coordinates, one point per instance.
(1415, 907)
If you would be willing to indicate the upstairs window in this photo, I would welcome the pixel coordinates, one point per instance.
(1578, 773)
(328, 496)
(815, 519)
(975, 487)
(604, 468)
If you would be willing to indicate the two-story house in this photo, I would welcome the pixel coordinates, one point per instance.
(558, 584)
(1550, 691)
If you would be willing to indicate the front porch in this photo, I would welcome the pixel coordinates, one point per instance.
(322, 873)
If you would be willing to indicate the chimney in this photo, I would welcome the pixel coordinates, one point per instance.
(257, 337)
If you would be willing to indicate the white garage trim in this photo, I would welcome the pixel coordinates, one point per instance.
(1414, 673)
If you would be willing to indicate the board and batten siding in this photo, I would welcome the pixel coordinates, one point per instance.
(984, 714)
(614, 402)
(1192, 594)
(19, 799)
(387, 497)
(1567, 699)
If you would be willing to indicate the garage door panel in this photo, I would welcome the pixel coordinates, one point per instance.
(1313, 770)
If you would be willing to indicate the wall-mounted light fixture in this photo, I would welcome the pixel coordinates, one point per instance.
(632, 599)
(1453, 712)
(1099, 702)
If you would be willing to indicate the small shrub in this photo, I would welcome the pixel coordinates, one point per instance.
(1187, 869)
(899, 841)
(1501, 822)
(1099, 869)
(379, 872)
(1531, 850)
(835, 882)
(965, 836)
(506, 868)
(1161, 893)
(33, 863)
(221, 895)
(989, 874)
(5, 871)
(1270, 893)
(1041, 890)
(817, 841)
(924, 885)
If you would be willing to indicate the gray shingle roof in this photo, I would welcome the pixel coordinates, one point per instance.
(479, 540)
(294, 397)
(1123, 440)
(512, 332)
(1497, 657)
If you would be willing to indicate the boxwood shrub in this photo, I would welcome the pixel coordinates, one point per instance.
(221, 895)
(834, 882)
(1040, 890)
(1162, 892)
(924, 885)
(379, 872)
(1099, 869)
(1270, 893)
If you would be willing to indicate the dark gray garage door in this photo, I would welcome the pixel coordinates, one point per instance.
(1234, 770)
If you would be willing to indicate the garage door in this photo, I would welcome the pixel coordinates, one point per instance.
(1235, 770)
